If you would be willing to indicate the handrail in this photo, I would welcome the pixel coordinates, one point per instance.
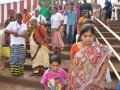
(112, 66)
(118, 37)
(108, 44)
(115, 71)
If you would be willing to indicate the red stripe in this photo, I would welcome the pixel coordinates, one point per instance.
(21, 6)
(15, 7)
(2, 14)
(8, 8)
(28, 5)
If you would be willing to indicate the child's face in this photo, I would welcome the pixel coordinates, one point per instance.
(55, 66)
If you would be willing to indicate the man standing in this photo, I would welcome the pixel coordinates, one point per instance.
(85, 6)
(108, 11)
(71, 22)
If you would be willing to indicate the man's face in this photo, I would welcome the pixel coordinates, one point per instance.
(84, 1)
(36, 12)
(11, 12)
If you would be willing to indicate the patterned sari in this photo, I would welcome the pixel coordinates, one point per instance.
(86, 65)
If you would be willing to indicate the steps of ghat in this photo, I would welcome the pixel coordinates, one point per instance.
(33, 82)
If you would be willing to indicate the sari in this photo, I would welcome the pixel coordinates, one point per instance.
(86, 65)
(81, 22)
(42, 56)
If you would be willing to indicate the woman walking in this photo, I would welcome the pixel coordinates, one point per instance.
(89, 61)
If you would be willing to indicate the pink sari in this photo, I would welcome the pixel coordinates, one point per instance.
(86, 65)
(57, 39)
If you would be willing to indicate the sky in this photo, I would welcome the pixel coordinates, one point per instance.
(7, 1)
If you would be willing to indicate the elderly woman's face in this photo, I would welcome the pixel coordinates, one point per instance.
(87, 38)
(33, 24)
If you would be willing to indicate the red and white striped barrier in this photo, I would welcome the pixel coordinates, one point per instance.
(18, 7)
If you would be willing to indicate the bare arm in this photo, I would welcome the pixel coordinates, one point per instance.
(78, 27)
(101, 72)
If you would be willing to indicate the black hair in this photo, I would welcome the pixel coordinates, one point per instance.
(19, 14)
(88, 21)
(71, 3)
(56, 8)
(86, 28)
(11, 10)
(55, 58)
(25, 10)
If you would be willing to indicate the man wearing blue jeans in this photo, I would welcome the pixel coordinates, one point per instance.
(71, 22)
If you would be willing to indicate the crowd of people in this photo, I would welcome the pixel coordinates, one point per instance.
(88, 58)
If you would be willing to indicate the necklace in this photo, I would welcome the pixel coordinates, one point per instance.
(18, 27)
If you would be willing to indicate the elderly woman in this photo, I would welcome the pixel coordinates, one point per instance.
(39, 48)
(89, 61)
(17, 31)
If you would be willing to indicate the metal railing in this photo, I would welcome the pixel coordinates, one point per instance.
(118, 57)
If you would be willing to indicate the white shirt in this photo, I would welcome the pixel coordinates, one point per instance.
(40, 19)
(15, 27)
(56, 20)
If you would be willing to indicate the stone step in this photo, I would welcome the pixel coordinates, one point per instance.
(107, 34)
(25, 80)
(4, 85)
(111, 25)
(112, 41)
(64, 54)
(115, 29)
(34, 81)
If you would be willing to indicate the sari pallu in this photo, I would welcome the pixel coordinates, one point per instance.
(86, 65)
(38, 39)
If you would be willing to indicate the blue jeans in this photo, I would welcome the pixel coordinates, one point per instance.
(70, 33)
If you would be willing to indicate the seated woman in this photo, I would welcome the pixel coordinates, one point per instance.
(89, 61)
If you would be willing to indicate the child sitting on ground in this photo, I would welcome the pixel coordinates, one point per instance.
(54, 77)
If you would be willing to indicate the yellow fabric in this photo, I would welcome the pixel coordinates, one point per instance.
(81, 23)
(42, 57)
(6, 51)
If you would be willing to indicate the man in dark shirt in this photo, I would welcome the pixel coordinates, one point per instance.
(108, 10)
(85, 6)
(10, 19)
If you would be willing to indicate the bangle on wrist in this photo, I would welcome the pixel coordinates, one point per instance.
(98, 79)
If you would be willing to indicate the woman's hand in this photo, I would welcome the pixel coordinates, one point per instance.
(96, 82)
(15, 34)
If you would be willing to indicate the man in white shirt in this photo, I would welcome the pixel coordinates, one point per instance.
(40, 18)
(117, 10)
(17, 31)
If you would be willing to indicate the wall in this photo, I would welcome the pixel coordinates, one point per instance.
(18, 7)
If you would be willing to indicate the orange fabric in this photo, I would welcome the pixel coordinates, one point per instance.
(81, 20)
(38, 38)
(73, 51)
(26, 18)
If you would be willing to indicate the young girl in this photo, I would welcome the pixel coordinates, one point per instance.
(54, 78)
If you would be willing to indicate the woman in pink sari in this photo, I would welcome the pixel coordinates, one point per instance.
(89, 61)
